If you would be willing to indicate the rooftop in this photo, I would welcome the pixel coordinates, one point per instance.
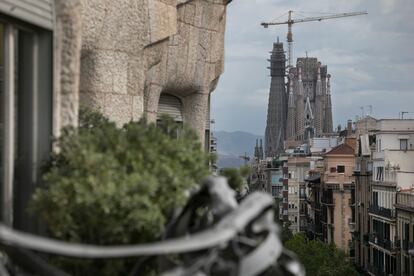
(343, 149)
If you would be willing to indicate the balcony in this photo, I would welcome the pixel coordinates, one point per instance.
(389, 179)
(337, 178)
(328, 201)
(382, 212)
(405, 201)
(379, 155)
(374, 270)
(382, 242)
(351, 225)
(407, 247)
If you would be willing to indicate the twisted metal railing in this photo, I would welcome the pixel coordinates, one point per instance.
(227, 238)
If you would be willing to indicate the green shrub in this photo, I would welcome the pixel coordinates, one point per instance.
(110, 185)
(320, 259)
(236, 177)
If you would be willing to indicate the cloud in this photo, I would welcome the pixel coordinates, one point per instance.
(370, 57)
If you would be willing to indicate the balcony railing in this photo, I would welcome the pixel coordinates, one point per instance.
(390, 176)
(379, 155)
(407, 246)
(223, 235)
(328, 201)
(337, 178)
(375, 270)
(351, 225)
(382, 242)
(381, 211)
(389, 179)
(405, 200)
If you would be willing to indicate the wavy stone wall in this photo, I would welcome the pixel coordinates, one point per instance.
(134, 50)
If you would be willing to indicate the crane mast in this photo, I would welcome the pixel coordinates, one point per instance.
(291, 21)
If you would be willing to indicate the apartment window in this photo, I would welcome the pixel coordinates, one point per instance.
(25, 115)
(340, 169)
(379, 174)
(375, 198)
(333, 170)
(403, 144)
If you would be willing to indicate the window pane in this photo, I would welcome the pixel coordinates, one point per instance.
(403, 144)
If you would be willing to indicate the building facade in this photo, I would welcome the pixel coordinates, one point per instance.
(128, 59)
(309, 101)
(301, 109)
(405, 232)
(393, 171)
(298, 169)
(337, 195)
(275, 132)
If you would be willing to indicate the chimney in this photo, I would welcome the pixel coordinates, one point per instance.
(349, 128)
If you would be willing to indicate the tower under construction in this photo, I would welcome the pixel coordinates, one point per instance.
(277, 105)
(299, 109)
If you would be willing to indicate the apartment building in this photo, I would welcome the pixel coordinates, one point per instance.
(298, 170)
(405, 232)
(337, 195)
(364, 129)
(393, 171)
(363, 177)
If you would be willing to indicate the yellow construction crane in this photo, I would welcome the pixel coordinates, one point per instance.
(291, 21)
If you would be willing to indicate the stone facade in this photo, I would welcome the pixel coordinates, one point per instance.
(301, 110)
(277, 106)
(310, 100)
(133, 51)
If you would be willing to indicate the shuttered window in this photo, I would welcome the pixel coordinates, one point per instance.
(35, 12)
(171, 106)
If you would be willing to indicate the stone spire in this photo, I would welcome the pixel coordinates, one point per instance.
(319, 103)
(328, 125)
(256, 149)
(291, 120)
(261, 150)
(300, 105)
(277, 106)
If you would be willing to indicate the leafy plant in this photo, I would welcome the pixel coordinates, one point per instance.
(320, 259)
(236, 177)
(110, 185)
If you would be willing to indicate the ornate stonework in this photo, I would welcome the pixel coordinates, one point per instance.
(134, 50)
(302, 109)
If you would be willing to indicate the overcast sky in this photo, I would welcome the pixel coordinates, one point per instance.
(370, 58)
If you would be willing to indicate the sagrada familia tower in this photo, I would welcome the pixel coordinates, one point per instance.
(300, 109)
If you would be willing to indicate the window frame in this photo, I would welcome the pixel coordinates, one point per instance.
(27, 118)
(337, 168)
(406, 144)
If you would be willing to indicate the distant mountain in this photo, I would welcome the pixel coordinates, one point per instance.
(231, 145)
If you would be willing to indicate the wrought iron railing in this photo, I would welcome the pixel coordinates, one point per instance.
(381, 211)
(245, 231)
